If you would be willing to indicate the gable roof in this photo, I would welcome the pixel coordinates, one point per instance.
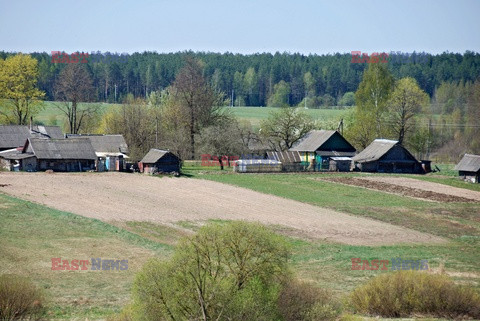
(105, 143)
(286, 157)
(60, 148)
(314, 139)
(154, 155)
(12, 136)
(375, 150)
(469, 163)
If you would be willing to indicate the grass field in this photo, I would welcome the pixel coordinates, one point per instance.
(31, 234)
(51, 115)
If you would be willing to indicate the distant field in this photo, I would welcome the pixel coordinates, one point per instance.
(51, 115)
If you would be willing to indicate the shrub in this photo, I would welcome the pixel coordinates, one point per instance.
(405, 293)
(230, 271)
(19, 299)
(302, 301)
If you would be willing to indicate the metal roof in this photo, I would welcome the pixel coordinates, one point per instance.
(61, 148)
(375, 150)
(469, 163)
(105, 143)
(286, 157)
(154, 155)
(313, 140)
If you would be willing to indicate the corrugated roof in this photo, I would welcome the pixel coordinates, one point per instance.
(313, 140)
(286, 157)
(105, 143)
(375, 150)
(62, 148)
(12, 136)
(469, 163)
(15, 153)
(154, 155)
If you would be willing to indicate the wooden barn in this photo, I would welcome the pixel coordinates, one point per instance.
(61, 155)
(469, 168)
(319, 146)
(159, 161)
(111, 151)
(387, 156)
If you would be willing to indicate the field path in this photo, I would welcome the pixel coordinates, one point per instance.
(426, 186)
(136, 197)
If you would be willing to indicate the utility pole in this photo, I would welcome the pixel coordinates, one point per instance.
(233, 90)
(115, 93)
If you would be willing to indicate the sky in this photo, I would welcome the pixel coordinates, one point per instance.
(241, 26)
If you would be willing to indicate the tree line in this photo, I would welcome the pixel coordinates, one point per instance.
(257, 79)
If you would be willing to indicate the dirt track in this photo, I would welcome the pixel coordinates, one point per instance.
(129, 197)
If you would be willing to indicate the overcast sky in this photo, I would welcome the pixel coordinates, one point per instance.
(241, 26)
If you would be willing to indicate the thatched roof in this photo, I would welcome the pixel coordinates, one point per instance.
(469, 163)
(60, 148)
(154, 155)
(12, 136)
(105, 143)
(375, 150)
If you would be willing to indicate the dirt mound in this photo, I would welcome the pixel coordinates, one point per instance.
(167, 200)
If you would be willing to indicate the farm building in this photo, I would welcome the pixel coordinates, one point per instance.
(469, 168)
(340, 164)
(61, 155)
(257, 166)
(111, 151)
(387, 156)
(13, 136)
(159, 161)
(14, 160)
(291, 161)
(319, 146)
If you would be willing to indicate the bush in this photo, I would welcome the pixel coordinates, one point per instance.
(301, 301)
(230, 271)
(405, 293)
(20, 299)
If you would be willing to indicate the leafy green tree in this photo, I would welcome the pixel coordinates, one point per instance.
(473, 117)
(279, 98)
(371, 103)
(348, 99)
(406, 101)
(224, 272)
(18, 89)
(285, 127)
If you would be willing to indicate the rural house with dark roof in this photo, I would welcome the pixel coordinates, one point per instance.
(111, 150)
(61, 155)
(469, 168)
(13, 136)
(320, 146)
(387, 156)
(159, 161)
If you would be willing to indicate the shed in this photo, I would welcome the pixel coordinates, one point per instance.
(469, 168)
(111, 150)
(15, 160)
(291, 160)
(61, 155)
(318, 146)
(340, 164)
(387, 156)
(257, 166)
(159, 161)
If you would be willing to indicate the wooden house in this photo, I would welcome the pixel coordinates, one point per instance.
(13, 136)
(319, 146)
(61, 155)
(387, 156)
(159, 161)
(469, 168)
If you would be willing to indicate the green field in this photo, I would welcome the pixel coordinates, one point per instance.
(51, 115)
(31, 234)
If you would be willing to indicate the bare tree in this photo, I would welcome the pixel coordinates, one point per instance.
(73, 87)
(196, 98)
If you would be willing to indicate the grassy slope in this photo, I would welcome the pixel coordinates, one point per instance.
(31, 234)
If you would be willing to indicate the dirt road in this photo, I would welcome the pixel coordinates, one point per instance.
(136, 197)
